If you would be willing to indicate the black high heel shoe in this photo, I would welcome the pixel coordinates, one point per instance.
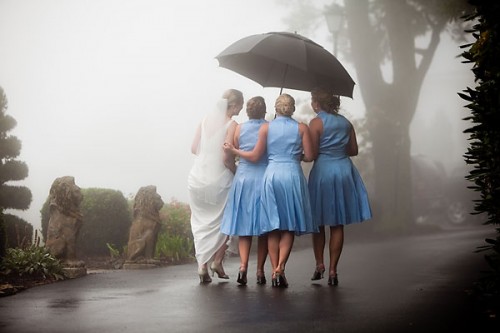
(242, 277)
(261, 278)
(333, 280)
(319, 273)
(274, 281)
(279, 281)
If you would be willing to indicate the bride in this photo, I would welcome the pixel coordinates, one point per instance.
(209, 182)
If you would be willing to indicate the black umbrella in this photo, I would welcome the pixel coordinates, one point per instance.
(286, 60)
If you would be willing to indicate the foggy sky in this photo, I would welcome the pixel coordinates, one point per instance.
(110, 92)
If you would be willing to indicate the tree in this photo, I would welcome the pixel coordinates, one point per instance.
(11, 196)
(385, 33)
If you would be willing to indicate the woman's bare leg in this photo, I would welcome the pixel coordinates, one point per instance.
(244, 246)
(336, 245)
(273, 245)
(261, 253)
(318, 240)
(285, 247)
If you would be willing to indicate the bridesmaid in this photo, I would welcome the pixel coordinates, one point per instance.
(338, 195)
(241, 216)
(285, 208)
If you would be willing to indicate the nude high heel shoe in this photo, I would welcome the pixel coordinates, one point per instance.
(217, 268)
(204, 277)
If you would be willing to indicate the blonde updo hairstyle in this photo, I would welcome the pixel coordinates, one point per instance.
(285, 105)
(327, 101)
(256, 108)
(234, 97)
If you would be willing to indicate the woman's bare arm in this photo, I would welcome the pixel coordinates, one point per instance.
(352, 145)
(229, 160)
(316, 130)
(306, 143)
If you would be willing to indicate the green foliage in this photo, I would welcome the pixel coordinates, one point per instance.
(175, 217)
(15, 197)
(484, 150)
(114, 252)
(175, 240)
(106, 219)
(19, 232)
(13, 170)
(175, 248)
(484, 104)
(34, 261)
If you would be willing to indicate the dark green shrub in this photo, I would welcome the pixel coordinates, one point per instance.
(106, 219)
(484, 150)
(484, 103)
(175, 240)
(19, 232)
(35, 262)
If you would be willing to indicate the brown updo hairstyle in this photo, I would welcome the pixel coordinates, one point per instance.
(234, 97)
(327, 100)
(285, 105)
(256, 107)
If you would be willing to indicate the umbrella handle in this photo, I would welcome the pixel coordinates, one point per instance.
(284, 77)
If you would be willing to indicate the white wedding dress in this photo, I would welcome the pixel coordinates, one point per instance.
(208, 183)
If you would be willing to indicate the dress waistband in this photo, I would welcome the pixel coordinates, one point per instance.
(332, 155)
(283, 159)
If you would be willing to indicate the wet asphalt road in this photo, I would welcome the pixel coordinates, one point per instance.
(411, 284)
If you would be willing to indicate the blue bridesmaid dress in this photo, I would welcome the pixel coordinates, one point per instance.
(285, 199)
(241, 215)
(338, 195)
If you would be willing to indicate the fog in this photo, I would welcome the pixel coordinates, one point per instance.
(111, 92)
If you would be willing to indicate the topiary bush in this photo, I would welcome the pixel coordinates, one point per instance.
(19, 233)
(106, 219)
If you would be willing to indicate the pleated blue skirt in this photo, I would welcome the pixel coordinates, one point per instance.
(337, 192)
(242, 212)
(285, 199)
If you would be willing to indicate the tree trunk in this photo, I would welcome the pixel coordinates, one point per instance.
(389, 106)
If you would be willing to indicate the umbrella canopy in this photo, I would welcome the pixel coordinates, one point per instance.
(286, 60)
